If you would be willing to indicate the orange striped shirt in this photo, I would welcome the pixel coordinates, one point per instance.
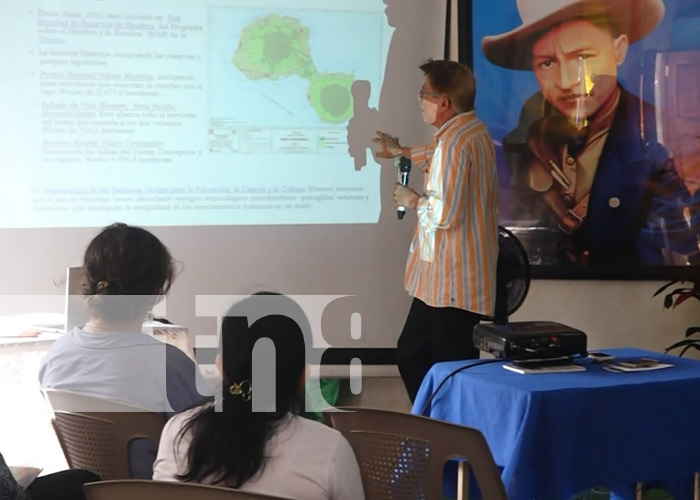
(452, 259)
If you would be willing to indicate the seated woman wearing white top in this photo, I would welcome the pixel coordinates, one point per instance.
(275, 452)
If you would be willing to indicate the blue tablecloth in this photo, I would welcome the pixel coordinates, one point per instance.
(557, 434)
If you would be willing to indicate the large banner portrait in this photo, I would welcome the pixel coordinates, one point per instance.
(594, 106)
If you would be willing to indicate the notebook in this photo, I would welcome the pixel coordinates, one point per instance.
(545, 369)
(24, 475)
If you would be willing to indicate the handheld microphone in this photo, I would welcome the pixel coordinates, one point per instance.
(404, 166)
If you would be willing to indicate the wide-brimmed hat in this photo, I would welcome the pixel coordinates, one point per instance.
(513, 49)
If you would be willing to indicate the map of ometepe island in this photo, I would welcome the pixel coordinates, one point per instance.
(274, 47)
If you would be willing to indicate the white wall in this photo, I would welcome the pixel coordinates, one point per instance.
(611, 313)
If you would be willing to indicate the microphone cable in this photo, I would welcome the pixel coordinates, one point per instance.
(470, 365)
(452, 374)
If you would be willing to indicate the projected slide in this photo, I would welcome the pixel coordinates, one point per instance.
(186, 113)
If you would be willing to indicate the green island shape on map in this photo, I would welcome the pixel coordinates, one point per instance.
(275, 47)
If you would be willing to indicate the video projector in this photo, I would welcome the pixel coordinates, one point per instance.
(530, 340)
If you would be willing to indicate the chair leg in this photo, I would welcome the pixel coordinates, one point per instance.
(462, 485)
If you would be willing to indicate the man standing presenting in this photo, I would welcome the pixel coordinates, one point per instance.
(451, 268)
(585, 159)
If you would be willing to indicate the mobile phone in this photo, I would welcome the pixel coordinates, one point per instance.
(639, 363)
(600, 357)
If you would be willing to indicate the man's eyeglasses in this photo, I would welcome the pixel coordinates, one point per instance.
(422, 93)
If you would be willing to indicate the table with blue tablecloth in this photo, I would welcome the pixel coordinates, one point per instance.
(556, 434)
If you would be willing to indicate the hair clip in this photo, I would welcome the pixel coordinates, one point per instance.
(243, 389)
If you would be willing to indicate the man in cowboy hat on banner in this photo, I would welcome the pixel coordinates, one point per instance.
(584, 156)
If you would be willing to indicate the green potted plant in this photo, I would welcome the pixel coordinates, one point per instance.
(675, 297)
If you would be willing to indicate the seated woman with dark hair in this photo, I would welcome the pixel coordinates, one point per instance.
(271, 449)
(127, 271)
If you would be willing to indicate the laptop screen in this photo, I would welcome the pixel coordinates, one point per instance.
(75, 300)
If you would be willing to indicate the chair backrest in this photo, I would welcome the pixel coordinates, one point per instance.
(135, 489)
(94, 433)
(402, 456)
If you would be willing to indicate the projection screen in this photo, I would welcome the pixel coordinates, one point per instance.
(239, 132)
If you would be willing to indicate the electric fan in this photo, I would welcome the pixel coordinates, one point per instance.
(524, 339)
(512, 275)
